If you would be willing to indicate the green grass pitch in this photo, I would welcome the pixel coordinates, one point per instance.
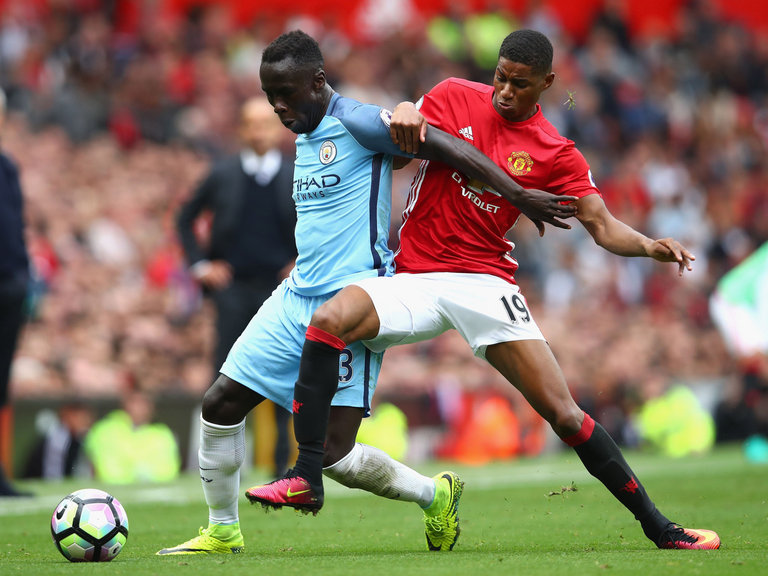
(516, 518)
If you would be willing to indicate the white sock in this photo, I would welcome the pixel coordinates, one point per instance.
(222, 452)
(373, 470)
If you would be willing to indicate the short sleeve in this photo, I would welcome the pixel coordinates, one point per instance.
(433, 105)
(369, 125)
(571, 174)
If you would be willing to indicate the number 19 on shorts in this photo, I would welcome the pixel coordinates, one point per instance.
(516, 308)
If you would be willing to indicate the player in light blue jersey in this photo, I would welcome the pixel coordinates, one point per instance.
(342, 183)
(342, 189)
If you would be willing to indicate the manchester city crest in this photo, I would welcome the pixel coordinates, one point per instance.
(327, 152)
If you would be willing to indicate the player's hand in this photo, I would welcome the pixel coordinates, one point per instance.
(544, 208)
(407, 127)
(670, 250)
(285, 271)
(216, 275)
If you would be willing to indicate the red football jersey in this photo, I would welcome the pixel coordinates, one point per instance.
(454, 224)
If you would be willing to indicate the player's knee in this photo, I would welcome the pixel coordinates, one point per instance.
(212, 402)
(222, 404)
(567, 421)
(327, 318)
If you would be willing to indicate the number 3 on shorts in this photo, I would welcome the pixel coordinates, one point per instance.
(345, 365)
(516, 308)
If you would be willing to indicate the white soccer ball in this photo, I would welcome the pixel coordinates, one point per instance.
(89, 526)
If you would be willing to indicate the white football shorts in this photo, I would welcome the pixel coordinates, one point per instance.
(483, 308)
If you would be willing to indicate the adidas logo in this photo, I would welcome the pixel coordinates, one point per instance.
(467, 133)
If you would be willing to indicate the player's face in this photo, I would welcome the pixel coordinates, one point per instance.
(516, 89)
(295, 95)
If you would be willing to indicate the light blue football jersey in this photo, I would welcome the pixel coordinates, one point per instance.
(342, 188)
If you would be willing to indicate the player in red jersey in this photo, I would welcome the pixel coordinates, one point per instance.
(443, 203)
(454, 270)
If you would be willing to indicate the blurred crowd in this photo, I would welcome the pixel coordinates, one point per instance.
(112, 126)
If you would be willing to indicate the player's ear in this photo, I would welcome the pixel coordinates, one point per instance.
(318, 80)
(548, 80)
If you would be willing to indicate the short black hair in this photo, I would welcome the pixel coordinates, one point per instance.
(295, 45)
(528, 47)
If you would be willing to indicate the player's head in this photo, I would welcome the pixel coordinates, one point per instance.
(293, 78)
(260, 129)
(528, 47)
(523, 72)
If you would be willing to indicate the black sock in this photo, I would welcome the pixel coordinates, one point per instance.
(312, 394)
(603, 459)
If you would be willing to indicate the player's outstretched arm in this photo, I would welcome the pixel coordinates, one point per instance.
(540, 206)
(408, 129)
(619, 238)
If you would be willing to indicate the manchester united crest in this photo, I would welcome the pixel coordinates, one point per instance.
(520, 163)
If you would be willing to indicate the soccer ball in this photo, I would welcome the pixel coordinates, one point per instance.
(89, 526)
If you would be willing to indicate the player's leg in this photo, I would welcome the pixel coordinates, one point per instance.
(357, 465)
(494, 318)
(222, 447)
(316, 382)
(353, 370)
(347, 317)
(404, 311)
(531, 367)
(364, 467)
(220, 456)
(282, 441)
(269, 340)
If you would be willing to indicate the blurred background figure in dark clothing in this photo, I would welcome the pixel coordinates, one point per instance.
(59, 453)
(14, 281)
(249, 247)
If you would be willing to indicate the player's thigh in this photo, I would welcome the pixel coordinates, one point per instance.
(530, 366)
(406, 307)
(265, 358)
(484, 309)
(350, 315)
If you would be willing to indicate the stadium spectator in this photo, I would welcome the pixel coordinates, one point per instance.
(126, 446)
(59, 452)
(250, 247)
